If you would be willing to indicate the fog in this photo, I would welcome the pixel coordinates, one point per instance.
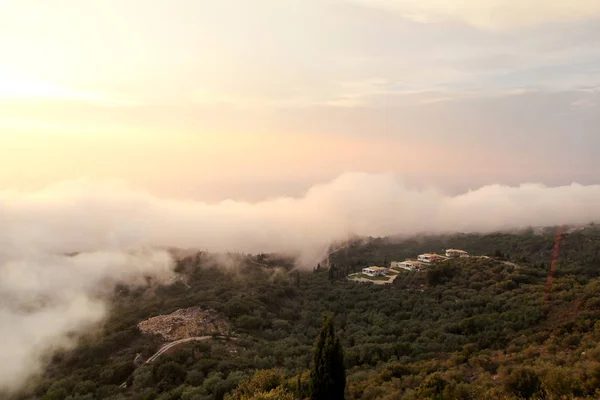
(47, 299)
(85, 216)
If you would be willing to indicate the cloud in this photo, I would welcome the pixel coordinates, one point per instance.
(86, 216)
(492, 13)
(262, 56)
(47, 299)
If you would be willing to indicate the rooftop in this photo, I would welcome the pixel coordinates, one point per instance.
(377, 268)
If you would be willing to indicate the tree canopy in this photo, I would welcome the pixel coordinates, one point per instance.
(468, 328)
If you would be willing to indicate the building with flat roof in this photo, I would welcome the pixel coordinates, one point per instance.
(375, 271)
(427, 257)
(456, 253)
(409, 265)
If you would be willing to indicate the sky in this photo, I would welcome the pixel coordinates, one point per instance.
(209, 100)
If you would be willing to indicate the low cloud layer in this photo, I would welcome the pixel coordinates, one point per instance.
(46, 300)
(46, 295)
(84, 216)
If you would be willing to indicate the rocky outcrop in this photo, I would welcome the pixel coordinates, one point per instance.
(185, 323)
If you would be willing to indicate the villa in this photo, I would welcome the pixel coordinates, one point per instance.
(409, 265)
(456, 253)
(375, 271)
(428, 257)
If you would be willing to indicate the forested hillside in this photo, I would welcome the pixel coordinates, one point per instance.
(465, 328)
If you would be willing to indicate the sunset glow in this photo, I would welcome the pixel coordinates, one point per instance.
(272, 90)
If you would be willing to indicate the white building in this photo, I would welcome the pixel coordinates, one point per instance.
(456, 253)
(409, 265)
(428, 258)
(374, 271)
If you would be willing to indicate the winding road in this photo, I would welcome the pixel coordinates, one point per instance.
(176, 343)
(169, 346)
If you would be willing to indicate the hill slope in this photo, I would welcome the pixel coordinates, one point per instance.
(466, 328)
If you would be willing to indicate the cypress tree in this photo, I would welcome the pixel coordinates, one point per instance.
(328, 376)
(299, 386)
(331, 273)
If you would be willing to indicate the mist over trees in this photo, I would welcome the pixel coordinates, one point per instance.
(467, 328)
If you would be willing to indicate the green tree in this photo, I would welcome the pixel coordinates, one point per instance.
(432, 388)
(56, 394)
(170, 375)
(264, 384)
(328, 377)
(299, 386)
(275, 394)
(524, 382)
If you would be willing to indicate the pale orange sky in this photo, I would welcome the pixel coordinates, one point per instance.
(156, 161)
(256, 99)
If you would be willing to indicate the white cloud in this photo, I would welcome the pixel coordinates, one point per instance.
(492, 13)
(48, 299)
(264, 56)
(585, 102)
(88, 217)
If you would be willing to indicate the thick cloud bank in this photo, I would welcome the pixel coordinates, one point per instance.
(45, 296)
(84, 216)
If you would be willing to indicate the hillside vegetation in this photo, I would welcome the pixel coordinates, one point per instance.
(466, 328)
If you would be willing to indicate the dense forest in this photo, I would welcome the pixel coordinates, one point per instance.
(511, 326)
